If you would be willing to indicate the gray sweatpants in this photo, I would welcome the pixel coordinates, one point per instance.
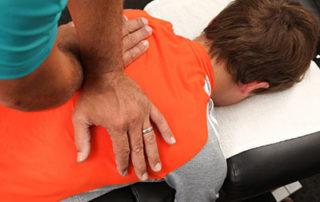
(199, 180)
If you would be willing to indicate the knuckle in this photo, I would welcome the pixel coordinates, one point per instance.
(120, 153)
(153, 158)
(125, 31)
(148, 105)
(138, 50)
(143, 104)
(127, 59)
(135, 52)
(139, 166)
(131, 56)
(137, 149)
(132, 38)
(125, 41)
(140, 169)
(119, 124)
(76, 115)
(149, 139)
(160, 119)
(139, 22)
(124, 152)
(78, 118)
(135, 117)
(164, 128)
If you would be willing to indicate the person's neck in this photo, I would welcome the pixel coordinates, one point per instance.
(218, 66)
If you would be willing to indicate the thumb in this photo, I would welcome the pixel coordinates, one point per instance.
(82, 138)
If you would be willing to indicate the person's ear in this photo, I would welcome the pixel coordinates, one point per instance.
(249, 88)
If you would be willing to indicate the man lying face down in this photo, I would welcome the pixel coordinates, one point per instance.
(251, 47)
(258, 47)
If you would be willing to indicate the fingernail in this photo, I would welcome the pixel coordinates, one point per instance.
(158, 167)
(173, 140)
(144, 20)
(144, 177)
(149, 29)
(71, 24)
(145, 43)
(124, 172)
(125, 18)
(80, 157)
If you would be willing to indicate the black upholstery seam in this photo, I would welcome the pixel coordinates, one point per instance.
(135, 193)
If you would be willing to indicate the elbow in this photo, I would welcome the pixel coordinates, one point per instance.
(38, 102)
(50, 86)
(38, 97)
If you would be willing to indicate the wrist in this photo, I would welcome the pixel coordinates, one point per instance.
(103, 80)
(101, 68)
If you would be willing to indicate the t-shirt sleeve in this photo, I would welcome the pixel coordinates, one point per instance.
(28, 29)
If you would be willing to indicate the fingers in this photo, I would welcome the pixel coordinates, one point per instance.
(133, 38)
(82, 138)
(132, 54)
(133, 25)
(137, 152)
(134, 34)
(162, 125)
(151, 147)
(120, 144)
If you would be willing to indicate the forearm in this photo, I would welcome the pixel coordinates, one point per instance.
(99, 28)
(52, 84)
(56, 80)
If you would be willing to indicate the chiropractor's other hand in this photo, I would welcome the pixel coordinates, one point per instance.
(134, 33)
(134, 37)
(122, 108)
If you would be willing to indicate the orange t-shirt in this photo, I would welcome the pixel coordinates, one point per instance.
(37, 151)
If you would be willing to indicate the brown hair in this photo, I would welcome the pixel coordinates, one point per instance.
(264, 40)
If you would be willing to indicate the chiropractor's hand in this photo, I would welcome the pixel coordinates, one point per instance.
(119, 105)
(124, 111)
(134, 33)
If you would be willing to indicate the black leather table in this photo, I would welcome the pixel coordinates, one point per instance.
(262, 169)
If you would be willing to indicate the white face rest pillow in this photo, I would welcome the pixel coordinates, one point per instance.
(260, 120)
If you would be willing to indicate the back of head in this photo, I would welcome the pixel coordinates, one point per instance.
(264, 40)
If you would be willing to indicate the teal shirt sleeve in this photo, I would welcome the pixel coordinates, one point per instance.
(28, 30)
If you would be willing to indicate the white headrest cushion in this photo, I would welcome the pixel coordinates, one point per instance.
(260, 120)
